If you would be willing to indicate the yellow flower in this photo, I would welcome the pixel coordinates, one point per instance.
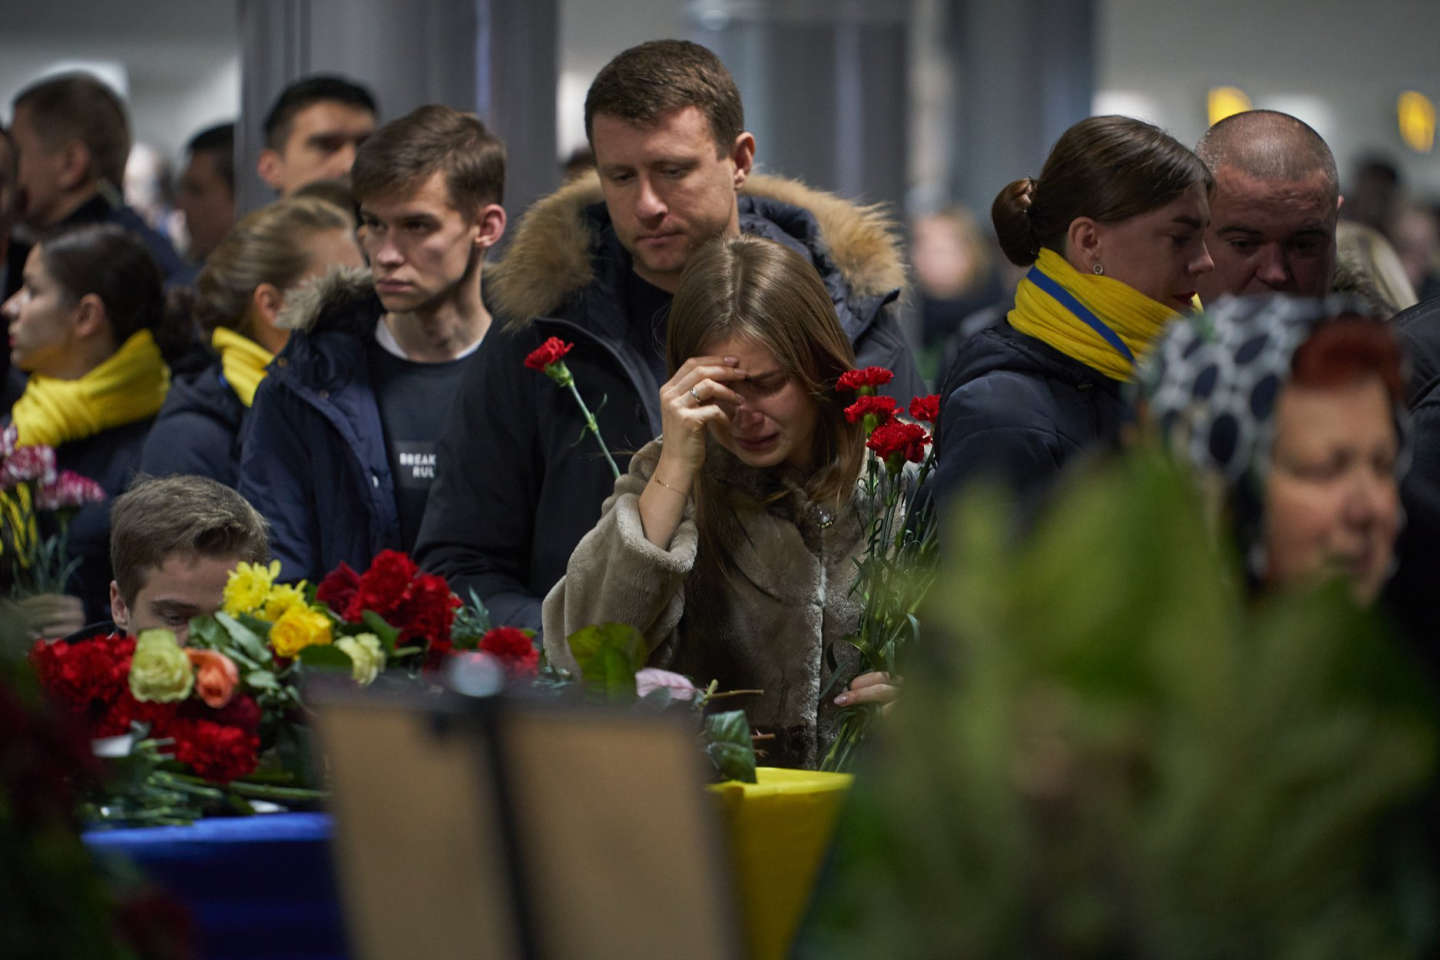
(366, 657)
(281, 599)
(248, 586)
(160, 671)
(300, 627)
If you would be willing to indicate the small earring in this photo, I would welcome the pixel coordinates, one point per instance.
(1099, 269)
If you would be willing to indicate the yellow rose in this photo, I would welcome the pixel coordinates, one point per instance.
(160, 671)
(248, 586)
(299, 628)
(281, 599)
(366, 657)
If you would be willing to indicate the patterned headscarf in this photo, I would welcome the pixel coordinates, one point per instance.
(1212, 387)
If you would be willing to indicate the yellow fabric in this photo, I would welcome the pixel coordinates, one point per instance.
(779, 831)
(130, 385)
(243, 362)
(1134, 317)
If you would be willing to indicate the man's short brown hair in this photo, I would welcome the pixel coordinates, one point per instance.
(188, 515)
(644, 83)
(406, 152)
(78, 106)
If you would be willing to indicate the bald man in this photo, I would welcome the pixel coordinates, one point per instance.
(1273, 213)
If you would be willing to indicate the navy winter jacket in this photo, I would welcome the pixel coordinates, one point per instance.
(197, 431)
(517, 483)
(313, 458)
(1016, 411)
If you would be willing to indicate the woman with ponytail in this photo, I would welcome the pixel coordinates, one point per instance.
(1113, 231)
(85, 326)
(236, 301)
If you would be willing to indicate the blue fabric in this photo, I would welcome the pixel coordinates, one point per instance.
(313, 458)
(256, 886)
(198, 429)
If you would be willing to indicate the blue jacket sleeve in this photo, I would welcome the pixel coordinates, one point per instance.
(277, 478)
(986, 435)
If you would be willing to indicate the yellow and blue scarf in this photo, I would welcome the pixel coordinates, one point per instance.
(242, 361)
(1100, 321)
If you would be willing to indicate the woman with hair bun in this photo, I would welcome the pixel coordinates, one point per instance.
(236, 302)
(85, 327)
(1113, 230)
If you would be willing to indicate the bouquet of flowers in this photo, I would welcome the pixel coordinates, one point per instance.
(897, 567)
(36, 560)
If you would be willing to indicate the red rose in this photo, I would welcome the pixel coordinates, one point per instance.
(338, 588)
(904, 441)
(868, 377)
(925, 408)
(551, 351)
(514, 648)
(214, 751)
(882, 408)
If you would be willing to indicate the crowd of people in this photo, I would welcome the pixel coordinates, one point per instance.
(349, 365)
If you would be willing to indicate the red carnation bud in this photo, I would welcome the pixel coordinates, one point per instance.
(549, 352)
(925, 408)
(867, 377)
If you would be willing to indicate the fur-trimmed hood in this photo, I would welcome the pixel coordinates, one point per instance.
(328, 296)
(551, 257)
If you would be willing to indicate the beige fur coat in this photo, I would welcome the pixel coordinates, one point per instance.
(778, 624)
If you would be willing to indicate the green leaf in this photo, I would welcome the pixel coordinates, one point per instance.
(608, 655)
(207, 632)
(376, 624)
(261, 680)
(325, 656)
(246, 639)
(730, 748)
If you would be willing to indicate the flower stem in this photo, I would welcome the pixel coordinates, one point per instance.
(593, 427)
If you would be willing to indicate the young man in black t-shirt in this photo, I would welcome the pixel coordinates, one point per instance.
(339, 449)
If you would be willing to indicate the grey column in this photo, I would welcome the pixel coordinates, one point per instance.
(825, 87)
(1025, 71)
(497, 58)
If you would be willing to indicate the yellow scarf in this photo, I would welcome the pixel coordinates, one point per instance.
(1127, 314)
(130, 385)
(243, 362)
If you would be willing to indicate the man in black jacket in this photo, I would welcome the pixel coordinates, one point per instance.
(595, 264)
(74, 137)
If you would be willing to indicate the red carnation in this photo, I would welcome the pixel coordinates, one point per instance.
(70, 489)
(242, 713)
(551, 351)
(901, 441)
(338, 587)
(428, 612)
(882, 408)
(77, 674)
(27, 465)
(925, 408)
(514, 648)
(126, 710)
(214, 751)
(868, 377)
(383, 587)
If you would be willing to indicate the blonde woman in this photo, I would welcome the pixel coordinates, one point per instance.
(236, 300)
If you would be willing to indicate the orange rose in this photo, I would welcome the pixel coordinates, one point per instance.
(215, 676)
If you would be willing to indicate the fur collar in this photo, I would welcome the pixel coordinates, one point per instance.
(549, 258)
(324, 295)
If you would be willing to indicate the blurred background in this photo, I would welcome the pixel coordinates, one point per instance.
(929, 106)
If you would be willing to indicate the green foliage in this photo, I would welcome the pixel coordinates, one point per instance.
(1109, 750)
(608, 655)
(729, 747)
(325, 656)
(472, 622)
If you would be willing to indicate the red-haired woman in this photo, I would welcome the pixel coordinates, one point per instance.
(1298, 406)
